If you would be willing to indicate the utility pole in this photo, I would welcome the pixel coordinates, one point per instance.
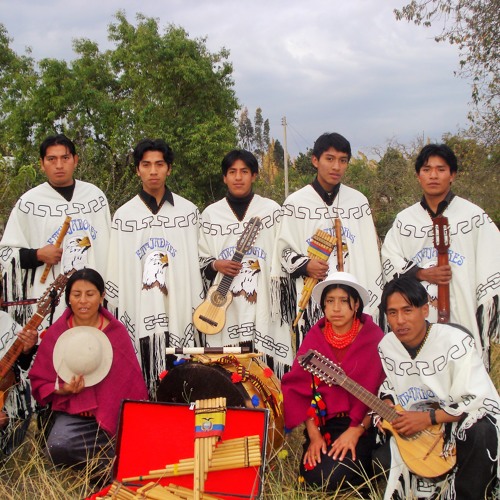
(285, 154)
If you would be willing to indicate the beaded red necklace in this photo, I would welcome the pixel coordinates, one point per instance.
(340, 340)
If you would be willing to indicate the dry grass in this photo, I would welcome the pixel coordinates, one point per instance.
(27, 474)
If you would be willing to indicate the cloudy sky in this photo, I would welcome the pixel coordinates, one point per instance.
(327, 65)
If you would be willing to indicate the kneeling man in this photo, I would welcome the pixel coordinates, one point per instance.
(436, 374)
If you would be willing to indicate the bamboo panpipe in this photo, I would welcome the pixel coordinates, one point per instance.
(320, 248)
(57, 244)
(247, 454)
(204, 445)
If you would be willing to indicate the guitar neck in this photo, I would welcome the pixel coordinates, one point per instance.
(226, 281)
(16, 348)
(369, 399)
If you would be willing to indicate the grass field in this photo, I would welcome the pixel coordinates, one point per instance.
(27, 475)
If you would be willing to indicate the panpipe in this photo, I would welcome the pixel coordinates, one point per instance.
(153, 491)
(57, 244)
(231, 454)
(210, 419)
(320, 247)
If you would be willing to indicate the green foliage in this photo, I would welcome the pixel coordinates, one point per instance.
(474, 27)
(149, 85)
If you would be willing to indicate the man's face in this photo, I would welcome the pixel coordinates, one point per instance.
(59, 165)
(153, 171)
(406, 321)
(435, 177)
(331, 166)
(239, 179)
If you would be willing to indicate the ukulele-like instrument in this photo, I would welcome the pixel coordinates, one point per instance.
(50, 296)
(422, 452)
(210, 316)
(441, 236)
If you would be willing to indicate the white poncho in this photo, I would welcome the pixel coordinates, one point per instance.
(19, 404)
(303, 213)
(153, 277)
(447, 371)
(36, 221)
(474, 257)
(248, 318)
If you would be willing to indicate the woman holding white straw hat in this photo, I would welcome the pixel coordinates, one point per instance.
(84, 368)
(339, 437)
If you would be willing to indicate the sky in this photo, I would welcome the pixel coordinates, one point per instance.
(326, 65)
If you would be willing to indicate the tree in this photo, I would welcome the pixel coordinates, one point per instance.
(149, 85)
(246, 135)
(474, 26)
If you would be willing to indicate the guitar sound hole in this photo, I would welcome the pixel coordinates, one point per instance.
(218, 299)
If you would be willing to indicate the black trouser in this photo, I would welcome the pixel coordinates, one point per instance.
(332, 473)
(475, 471)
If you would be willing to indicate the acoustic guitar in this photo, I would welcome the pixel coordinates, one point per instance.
(50, 296)
(210, 316)
(441, 237)
(422, 452)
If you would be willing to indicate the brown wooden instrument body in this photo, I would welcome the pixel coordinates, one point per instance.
(423, 452)
(442, 244)
(57, 244)
(7, 378)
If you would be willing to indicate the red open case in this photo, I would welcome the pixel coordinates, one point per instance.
(152, 435)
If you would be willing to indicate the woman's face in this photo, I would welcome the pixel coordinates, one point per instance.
(340, 309)
(84, 300)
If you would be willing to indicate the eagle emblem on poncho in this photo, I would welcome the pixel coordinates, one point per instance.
(154, 271)
(75, 253)
(245, 283)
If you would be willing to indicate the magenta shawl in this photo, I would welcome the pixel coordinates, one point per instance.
(124, 380)
(361, 363)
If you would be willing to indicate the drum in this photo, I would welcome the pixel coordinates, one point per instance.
(244, 380)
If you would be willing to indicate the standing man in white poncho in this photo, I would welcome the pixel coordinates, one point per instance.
(248, 317)
(436, 374)
(473, 272)
(153, 279)
(316, 206)
(34, 224)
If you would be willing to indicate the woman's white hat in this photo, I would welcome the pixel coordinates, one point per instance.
(340, 278)
(83, 350)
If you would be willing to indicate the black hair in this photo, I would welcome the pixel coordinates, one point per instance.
(331, 140)
(57, 140)
(352, 293)
(409, 287)
(441, 150)
(85, 274)
(240, 154)
(153, 145)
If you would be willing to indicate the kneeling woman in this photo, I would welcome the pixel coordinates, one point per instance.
(85, 366)
(339, 437)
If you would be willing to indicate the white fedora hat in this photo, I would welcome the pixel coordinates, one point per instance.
(341, 278)
(83, 350)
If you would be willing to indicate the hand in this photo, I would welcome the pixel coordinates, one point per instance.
(411, 422)
(345, 442)
(227, 267)
(438, 275)
(29, 338)
(317, 269)
(313, 453)
(49, 254)
(76, 385)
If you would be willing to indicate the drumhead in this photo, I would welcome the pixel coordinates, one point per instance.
(188, 382)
